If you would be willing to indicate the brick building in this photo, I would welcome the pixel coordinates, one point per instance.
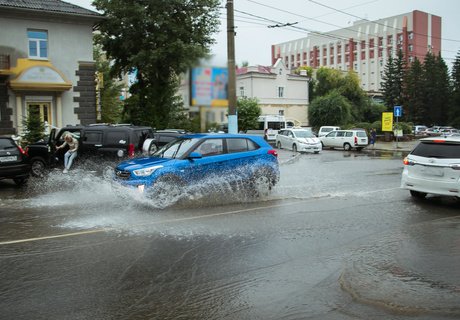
(365, 46)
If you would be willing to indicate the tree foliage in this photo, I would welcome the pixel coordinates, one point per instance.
(109, 90)
(248, 113)
(454, 113)
(331, 109)
(393, 79)
(34, 126)
(158, 40)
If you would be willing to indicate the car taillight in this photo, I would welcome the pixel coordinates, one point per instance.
(131, 150)
(356, 140)
(439, 141)
(273, 152)
(24, 152)
(408, 162)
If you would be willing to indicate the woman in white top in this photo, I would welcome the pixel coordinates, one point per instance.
(71, 153)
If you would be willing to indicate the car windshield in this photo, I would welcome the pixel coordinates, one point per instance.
(175, 149)
(304, 134)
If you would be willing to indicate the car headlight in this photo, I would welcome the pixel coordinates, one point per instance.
(144, 172)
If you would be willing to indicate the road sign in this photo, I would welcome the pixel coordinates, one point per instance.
(397, 111)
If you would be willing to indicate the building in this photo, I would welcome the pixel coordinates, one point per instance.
(46, 62)
(366, 46)
(277, 89)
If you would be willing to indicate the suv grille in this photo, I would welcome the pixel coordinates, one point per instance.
(122, 174)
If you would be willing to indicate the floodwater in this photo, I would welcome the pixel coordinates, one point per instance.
(336, 239)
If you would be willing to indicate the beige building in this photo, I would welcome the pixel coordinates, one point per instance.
(46, 63)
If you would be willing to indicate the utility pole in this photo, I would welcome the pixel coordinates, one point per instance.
(232, 115)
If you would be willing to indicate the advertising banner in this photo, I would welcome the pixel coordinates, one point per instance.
(209, 87)
(387, 121)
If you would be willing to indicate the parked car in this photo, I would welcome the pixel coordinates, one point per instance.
(432, 131)
(302, 140)
(14, 162)
(324, 130)
(97, 142)
(244, 159)
(346, 139)
(161, 138)
(433, 167)
(419, 129)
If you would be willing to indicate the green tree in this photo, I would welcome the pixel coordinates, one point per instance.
(34, 126)
(393, 79)
(248, 112)
(331, 109)
(109, 90)
(159, 40)
(437, 90)
(415, 108)
(454, 114)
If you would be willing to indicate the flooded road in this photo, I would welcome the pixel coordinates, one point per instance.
(336, 239)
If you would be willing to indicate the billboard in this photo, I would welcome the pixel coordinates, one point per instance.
(387, 121)
(209, 87)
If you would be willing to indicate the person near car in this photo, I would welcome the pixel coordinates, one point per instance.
(373, 136)
(70, 155)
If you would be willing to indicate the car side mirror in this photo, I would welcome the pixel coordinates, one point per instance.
(195, 155)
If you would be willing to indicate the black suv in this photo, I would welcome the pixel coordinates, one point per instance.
(14, 162)
(97, 142)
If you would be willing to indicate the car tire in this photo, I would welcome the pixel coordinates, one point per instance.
(166, 190)
(261, 184)
(37, 167)
(347, 147)
(278, 145)
(149, 147)
(294, 148)
(20, 181)
(417, 194)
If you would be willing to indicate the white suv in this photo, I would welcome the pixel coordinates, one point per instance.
(346, 139)
(298, 140)
(433, 167)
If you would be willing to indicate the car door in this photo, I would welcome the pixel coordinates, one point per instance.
(329, 139)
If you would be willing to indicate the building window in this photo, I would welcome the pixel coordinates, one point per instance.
(38, 44)
(411, 35)
(280, 92)
(411, 47)
(242, 93)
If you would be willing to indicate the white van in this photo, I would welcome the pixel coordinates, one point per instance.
(326, 129)
(269, 126)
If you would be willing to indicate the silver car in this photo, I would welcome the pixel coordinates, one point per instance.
(301, 140)
(433, 167)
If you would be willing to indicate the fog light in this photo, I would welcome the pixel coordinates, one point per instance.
(140, 188)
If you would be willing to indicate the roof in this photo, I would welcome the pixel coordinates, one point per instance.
(50, 6)
(256, 69)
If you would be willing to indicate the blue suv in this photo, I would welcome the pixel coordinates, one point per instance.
(246, 160)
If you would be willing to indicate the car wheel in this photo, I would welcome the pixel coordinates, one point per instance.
(316, 152)
(20, 181)
(417, 194)
(38, 167)
(166, 191)
(294, 148)
(347, 147)
(278, 144)
(261, 184)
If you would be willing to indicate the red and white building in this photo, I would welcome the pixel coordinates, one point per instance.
(365, 46)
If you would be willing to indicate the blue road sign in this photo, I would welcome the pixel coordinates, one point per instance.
(397, 111)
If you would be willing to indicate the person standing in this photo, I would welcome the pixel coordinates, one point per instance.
(70, 155)
(373, 137)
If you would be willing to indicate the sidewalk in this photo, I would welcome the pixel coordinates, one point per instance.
(405, 146)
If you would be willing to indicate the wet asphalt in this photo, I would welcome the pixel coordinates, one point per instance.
(336, 239)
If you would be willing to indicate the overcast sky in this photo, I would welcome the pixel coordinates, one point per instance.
(253, 17)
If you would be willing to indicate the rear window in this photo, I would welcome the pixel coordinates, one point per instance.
(7, 144)
(240, 145)
(437, 150)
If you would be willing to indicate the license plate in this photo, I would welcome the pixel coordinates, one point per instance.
(8, 159)
(432, 171)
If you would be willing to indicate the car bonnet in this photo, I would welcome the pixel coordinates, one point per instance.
(144, 162)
